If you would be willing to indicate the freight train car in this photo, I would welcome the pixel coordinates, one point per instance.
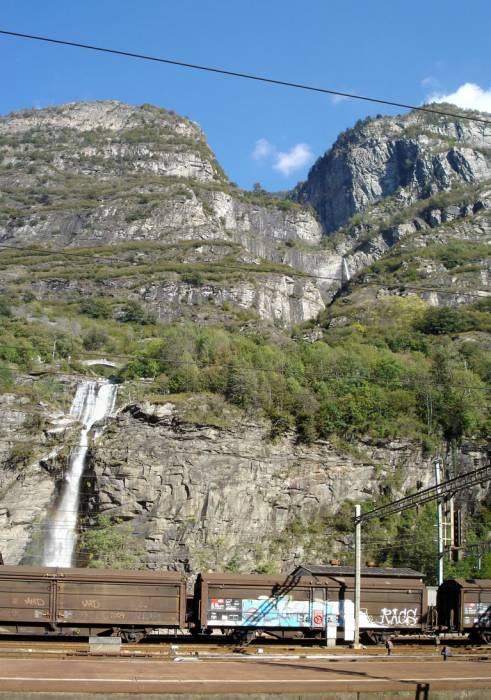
(48, 600)
(393, 601)
(242, 605)
(464, 606)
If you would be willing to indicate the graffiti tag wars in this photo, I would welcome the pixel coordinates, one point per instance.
(390, 617)
(36, 602)
(264, 612)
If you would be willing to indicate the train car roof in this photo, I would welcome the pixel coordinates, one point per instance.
(366, 571)
(479, 583)
(214, 578)
(78, 574)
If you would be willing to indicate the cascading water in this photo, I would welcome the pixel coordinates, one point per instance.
(346, 276)
(93, 401)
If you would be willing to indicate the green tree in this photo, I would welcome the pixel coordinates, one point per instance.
(95, 339)
(441, 321)
(133, 312)
(96, 307)
(110, 544)
(6, 378)
(5, 308)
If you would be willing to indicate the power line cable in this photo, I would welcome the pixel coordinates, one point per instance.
(237, 74)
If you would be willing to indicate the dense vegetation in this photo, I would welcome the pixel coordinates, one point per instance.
(407, 372)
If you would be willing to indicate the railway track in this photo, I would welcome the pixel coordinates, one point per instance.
(15, 648)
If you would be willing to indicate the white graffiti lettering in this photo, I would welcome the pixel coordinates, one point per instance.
(37, 602)
(368, 619)
(394, 616)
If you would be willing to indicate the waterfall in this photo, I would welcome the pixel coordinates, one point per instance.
(93, 401)
(345, 271)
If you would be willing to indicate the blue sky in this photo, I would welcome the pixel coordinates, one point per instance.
(403, 51)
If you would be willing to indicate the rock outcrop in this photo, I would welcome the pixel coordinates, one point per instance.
(105, 173)
(410, 157)
(202, 496)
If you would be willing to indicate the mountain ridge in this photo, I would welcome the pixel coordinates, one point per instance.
(307, 366)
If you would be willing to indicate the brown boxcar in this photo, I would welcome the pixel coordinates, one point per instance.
(465, 606)
(50, 600)
(393, 601)
(238, 603)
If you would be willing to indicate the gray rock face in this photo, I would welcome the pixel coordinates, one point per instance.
(99, 173)
(410, 157)
(440, 227)
(107, 137)
(114, 174)
(205, 497)
(201, 496)
(286, 300)
(25, 491)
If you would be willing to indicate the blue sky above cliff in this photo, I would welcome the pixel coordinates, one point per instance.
(386, 48)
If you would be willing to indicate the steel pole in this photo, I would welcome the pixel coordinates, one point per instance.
(356, 640)
(439, 571)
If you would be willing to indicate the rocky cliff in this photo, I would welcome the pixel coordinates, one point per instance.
(199, 494)
(208, 497)
(407, 158)
(106, 173)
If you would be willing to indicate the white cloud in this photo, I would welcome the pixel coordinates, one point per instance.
(298, 156)
(467, 96)
(263, 149)
(429, 81)
(336, 99)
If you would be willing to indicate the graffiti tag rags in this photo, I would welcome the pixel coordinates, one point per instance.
(394, 616)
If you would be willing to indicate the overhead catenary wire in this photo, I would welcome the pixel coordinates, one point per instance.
(242, 75)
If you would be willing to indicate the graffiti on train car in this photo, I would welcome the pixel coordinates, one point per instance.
(265, 612)
(395, 616)
(475, 612)
(35, 602)
(285, 612)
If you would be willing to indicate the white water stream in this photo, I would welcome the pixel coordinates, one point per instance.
(346, 276)
(93, 401)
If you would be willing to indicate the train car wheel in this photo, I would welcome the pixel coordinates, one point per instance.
(485, 636)
(374, 637)
(132, 636)
(244, 636)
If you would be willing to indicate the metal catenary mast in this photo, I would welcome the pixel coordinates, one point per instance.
(438, 492)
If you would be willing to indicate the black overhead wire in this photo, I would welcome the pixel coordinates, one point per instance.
(263, 79)
(237, 74)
